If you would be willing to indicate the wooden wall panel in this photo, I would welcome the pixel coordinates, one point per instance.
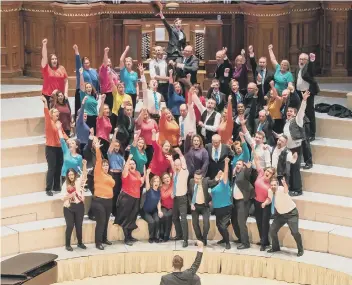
(132, 36)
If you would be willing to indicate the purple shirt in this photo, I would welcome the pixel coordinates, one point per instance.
(197, 159)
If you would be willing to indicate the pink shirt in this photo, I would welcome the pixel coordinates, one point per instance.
(146, 130)
(261, 187)
(104, 79)
(159, 163)
(103, 128)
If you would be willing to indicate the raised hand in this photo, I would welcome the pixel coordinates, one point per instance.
(266, 108)
(75, 47)
(103, 96)
(44, 42)
(227, 159)
(188, 76)
(241, 134)
(283, 180)
(106, 49)
(250, 49)
(168, 157)
(43, 99)
(312, 57)
(270, 47)
(306, 95)
(141, 68)
(84, 162)
(127, 48)
(272, 83)
(130, 156)
(227, 70)
(230, 98)
(171, 71)
(91, 131)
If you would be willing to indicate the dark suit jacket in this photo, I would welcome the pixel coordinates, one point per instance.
(308, 75)
(243, 182)
(187, 277)
(293, 101)
(175, 46)
(219, 74)
(206, 183)
(126, 128)
(191, 66)
(90, 155)
(219, 107)
(269, 75)
(215, 166)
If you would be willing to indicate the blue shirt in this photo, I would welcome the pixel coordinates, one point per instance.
(139, 158)
(90, 76)
(130, 80)
(175, 101)
(116, 161)
(245, 155)
(91, 104)
(151, 200)
(221, 195)
(82, 129)
(282, 79)
(70, 161)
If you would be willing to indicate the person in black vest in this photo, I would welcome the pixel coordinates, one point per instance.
(159, 71)
(177, 38)
(242, 192)
(217, 153)
(223, 65)
(219, 97)
(210, 119)
(304, 80)
(294, 131)
(260, 72)
(125, 125)
(199, 189)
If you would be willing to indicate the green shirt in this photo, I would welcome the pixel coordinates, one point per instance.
(282, 79)
(139, 158)
(91, 104)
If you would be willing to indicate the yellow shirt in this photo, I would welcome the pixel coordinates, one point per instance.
(274, 107)
(118, 100)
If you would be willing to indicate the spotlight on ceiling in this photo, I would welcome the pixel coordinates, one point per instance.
(172, 5)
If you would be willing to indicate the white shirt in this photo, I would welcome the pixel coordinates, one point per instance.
(302, 85)
(180, 35)
(79, 191)
(283, 203)
(189, 123)
(162, 64)
(213, 152)
(214, 127)
(236, 193)
(275, 157)
(263, 154)
(148, 98)
(181, 185)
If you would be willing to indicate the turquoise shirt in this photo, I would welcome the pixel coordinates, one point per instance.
(245, 155)
(221, 195)
(282, 79)
(70, 161)
(139, 158)
(130, 80)
(91, 104)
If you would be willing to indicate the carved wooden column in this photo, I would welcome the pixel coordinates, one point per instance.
(335, 38)
(11, 39)
(132, 36)
(212, 43)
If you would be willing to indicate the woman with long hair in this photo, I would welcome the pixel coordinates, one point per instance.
(274, 107)
(53, 151)
(196, 155)
(226, 124)
(129, 77)
(104, 126)
(137, 149)
(54, 74)
(167, 203)
(127, 207)
(72, 193)
(82, 129)
(91, 103)
(240, 150)
(175, 96)
(169, 129)
(151, 211)
(102, 200)
(240, 71)
(60, 102)
(262, 211)
(116, 163)
(90, 75)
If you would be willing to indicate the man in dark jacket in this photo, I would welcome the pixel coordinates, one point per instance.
(125, 125)
(219, 97)
(187, 64)
(223, 64)
(187, 277)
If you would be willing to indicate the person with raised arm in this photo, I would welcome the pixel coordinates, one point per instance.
(137, 149)
(82, 129)
(175, 98)
(274, 108)
(287, 213)
(169, 130)
(222, 204)
(125, 124)
(223, 65)
(158, 70)
(151, 211)
(54, 74)
(240, 71)
(196, 155)
(116, 164)
(72, 193)
(62, 104)
(241, 151)
(102, 200)
(104, 126)
(90, 75)
(127, 206)
(226, 124)
(129, 77)
(219, 97)
(187, 64)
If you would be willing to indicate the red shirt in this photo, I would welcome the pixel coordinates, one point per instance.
(53, 79)
(104, 128)
(166, 199)
(131, 184)
(146, 130)
(261, 187)
(104, 78)
(159, 163)
(64, 116)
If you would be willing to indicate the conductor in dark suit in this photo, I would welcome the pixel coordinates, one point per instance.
(223, 63)
(219, 97)
(304, 80)
(187, 277)
(177, 38)
(187, 64)
(265, 75)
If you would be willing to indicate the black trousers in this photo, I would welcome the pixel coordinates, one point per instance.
(223, 217)
(278, 126)
(295, 183)
(74, 218)
(117, 189)
(90, 184)
(240, 213)
(48, 99)
(104, 147)
(77, 102)
(163, 89)
(92, 123)
(180, 209)
(310, 112)
(134, 99)
(205, 212)
(262, 217)
(165, 223)
(306, 149)
(153, 223)
(54, 158)
(149, 151)
(101, 209)
(291, 219)
(109, 100)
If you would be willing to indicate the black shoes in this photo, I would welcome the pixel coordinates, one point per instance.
(91, 218)
(271, 250)
(151, 240)
(132, 239)
(128, 242)
(49, 193)
(221, 241)
(228, 246)
(300, 253)
(69, 248)
(295, 193)
(107, 242)
(242, 246)
(312, 139)
(185, 243)
(262, 248)
(205, 242)
(99, 246)
(81, 245)
(308, 166)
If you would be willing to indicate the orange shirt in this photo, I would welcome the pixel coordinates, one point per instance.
(225, 128)
(168, 130)
(103, 183)
(51, 133)
(274, 107)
